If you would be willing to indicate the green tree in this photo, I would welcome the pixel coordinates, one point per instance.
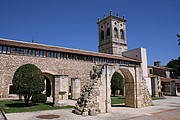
(178, 39)
(175, 64)
(28, 80)
(117, 83)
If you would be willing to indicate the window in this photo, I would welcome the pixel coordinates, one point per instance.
(13, 50)
(4, 49)
(53, 54)
(96, 59)
(40, 53)
(63, 55)
(58, 55)
(49, 54)
(29, 52)
(22, 51)
(11, 89)
(88, 58)
(102, 35)
(44, 53)
(115, 33)
(0, 49)
(8, 50)
(18, 50)
(122, 34)
(33, 53)
(80, 57)
(108, 32)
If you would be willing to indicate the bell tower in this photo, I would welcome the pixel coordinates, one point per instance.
(112, 34)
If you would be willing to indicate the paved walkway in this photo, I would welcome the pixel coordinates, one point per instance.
(166, 109)
(2, 116)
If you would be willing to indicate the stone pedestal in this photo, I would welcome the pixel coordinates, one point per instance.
(61, 90)
(75, 88)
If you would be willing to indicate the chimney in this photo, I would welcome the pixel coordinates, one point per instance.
(157, 63)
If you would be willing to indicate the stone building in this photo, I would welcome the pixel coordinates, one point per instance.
(67, 70)
(163, 81)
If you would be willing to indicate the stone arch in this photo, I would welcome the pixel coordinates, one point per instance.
(117, 84)
(49, 81)
(115, 32)
(102, 35)
(129, 86)
(122, 34)
(108, 32)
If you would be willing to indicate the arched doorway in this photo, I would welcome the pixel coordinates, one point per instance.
(117, 84)
(128, 85)
(49, 82)
(47, 86)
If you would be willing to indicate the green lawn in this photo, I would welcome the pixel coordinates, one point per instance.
(15, 106)
(117, 100)
(158, 98)
(121, 99)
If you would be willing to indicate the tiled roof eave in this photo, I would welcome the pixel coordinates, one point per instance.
(62, 49)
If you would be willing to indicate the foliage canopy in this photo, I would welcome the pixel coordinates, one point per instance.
(175, 64)
(28, 80)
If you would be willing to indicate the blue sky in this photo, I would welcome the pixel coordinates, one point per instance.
(152, 24)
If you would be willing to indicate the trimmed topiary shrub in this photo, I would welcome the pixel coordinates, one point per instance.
(28, 80)
(39, 98)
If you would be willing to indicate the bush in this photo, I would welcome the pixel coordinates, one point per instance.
(39, 98)
(28, 80)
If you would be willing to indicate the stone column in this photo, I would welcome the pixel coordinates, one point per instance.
(60, 90)
(105, 91)
(75, 88)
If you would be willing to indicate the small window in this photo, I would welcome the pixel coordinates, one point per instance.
(22, 51)
(63, 55)
(108, 32)
(44, 53)
(58, 55)
(18, 50)
(13, 50)
(4, 49)
(29, 52)
(11, 89)
(122, 34)
(40, 53)
(150, 70)
(33, 52)
(0, 49)
(80, 57)
(89, 58)
(53, 54)
(8, 50)
(25, 51)
(102, 35)
(49, 54)
(115, 33)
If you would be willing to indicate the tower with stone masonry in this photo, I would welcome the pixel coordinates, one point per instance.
(112, 34)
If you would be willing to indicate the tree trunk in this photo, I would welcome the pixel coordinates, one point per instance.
(26, 99)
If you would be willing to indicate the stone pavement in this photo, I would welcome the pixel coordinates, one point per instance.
(2, 116)
(166, 109)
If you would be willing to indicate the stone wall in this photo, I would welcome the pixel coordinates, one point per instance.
(73, 68)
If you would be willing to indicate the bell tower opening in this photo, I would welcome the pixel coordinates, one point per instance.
(112, 34)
